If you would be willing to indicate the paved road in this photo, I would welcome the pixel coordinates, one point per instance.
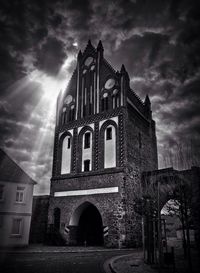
(88, 262)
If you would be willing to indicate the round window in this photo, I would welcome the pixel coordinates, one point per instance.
(68, 99)
(88, 61)
(105, 95)
(115, 91)
(109, 83)
(92, 67)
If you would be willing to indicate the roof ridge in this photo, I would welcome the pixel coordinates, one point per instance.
(109, 65)
(137, 96)
(17, 165)
(69, 82)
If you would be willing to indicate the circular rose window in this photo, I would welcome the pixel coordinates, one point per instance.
(109, 83)
(88, 61)
(68, 99)
(115, 91)
(92, 67)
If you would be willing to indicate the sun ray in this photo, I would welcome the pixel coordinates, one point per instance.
(42, 116)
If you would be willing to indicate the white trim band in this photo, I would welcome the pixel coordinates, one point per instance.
(86, 192)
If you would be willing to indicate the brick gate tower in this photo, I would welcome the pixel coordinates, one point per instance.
(104, 139)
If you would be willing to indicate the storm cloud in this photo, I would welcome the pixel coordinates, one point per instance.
(157, 41)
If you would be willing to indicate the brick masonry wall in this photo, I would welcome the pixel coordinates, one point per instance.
(39, 219)
(139, 157)
(110, 206)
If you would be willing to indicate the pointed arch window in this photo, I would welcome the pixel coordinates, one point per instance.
(66, 155)
(110, 147)
(87, 146)
(109, 133)
(87, 140)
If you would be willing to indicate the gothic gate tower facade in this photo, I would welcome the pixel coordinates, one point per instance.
(104, 140)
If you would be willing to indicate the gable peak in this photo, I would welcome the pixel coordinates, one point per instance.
(100, 46)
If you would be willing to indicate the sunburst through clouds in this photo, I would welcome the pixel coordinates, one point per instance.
(36, 136)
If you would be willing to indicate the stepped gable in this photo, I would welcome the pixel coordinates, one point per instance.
(71, 86)
(11, 172)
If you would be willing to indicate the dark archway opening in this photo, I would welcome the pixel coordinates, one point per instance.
(90, 229)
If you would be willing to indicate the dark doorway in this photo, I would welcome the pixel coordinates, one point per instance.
(90, 230)
(57, 218)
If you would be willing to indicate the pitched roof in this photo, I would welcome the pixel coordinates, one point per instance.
(11, 172)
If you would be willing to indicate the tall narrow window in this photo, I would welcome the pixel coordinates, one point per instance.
(115, 100)
(84, 110)
(20, 195)
(66, 155)
(104, 102)
(109, 133)
(71, 113)
(110, 147)
(16, 226)
(68, 142)
(102, 105)
(90, 101)
(63, 116)
(87, 141)
(86, 165)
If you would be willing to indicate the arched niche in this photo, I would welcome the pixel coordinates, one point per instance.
(66, 152)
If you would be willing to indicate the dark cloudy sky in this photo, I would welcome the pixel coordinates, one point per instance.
(158, 41)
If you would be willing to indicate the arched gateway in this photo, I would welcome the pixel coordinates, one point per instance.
(104, 140)
(85, 226)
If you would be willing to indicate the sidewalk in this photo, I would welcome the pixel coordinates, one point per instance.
(34, 248)
(132, 263)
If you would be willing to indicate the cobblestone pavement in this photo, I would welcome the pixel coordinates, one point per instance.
(56, 260)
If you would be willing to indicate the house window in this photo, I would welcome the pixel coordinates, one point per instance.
(109, 133)
(86, 165)
(20, 195)
(87, 141)
(1, 192)
(16, 226)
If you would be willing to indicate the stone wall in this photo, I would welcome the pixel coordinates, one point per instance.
(39, 219)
